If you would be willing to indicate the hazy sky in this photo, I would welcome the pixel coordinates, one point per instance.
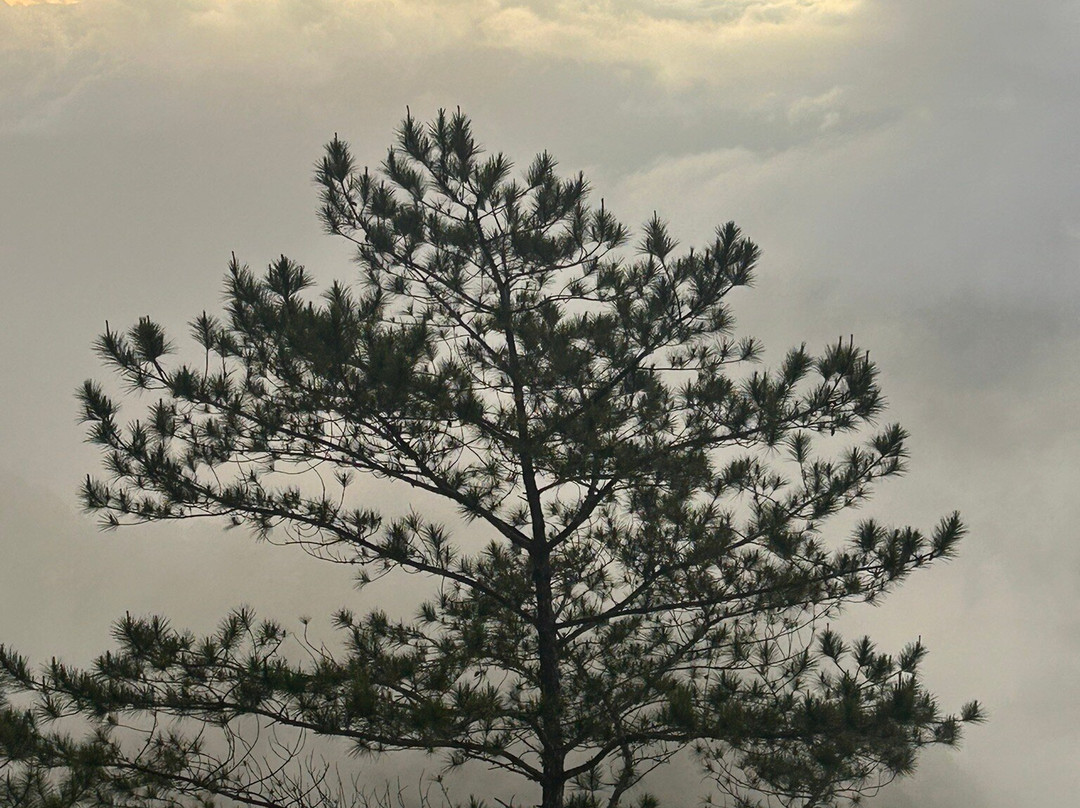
(911, 169)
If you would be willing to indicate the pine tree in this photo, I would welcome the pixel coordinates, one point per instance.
(651, 576)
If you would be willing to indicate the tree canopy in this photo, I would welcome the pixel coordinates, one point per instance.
(641, 567)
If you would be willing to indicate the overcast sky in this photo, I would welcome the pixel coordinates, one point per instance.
(911, 169)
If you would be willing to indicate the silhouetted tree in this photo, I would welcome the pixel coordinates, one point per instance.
(655, 576)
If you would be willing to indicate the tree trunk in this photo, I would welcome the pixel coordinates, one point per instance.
(553, 751)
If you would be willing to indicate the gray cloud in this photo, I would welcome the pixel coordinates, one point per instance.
(909, 168)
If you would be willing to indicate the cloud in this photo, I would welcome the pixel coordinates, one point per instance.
(907, 165)
(679, 43)
(753, 49)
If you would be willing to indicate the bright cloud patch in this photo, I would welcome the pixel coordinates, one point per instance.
(680, 41)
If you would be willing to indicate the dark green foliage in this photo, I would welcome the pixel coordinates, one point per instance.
(658, 574)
